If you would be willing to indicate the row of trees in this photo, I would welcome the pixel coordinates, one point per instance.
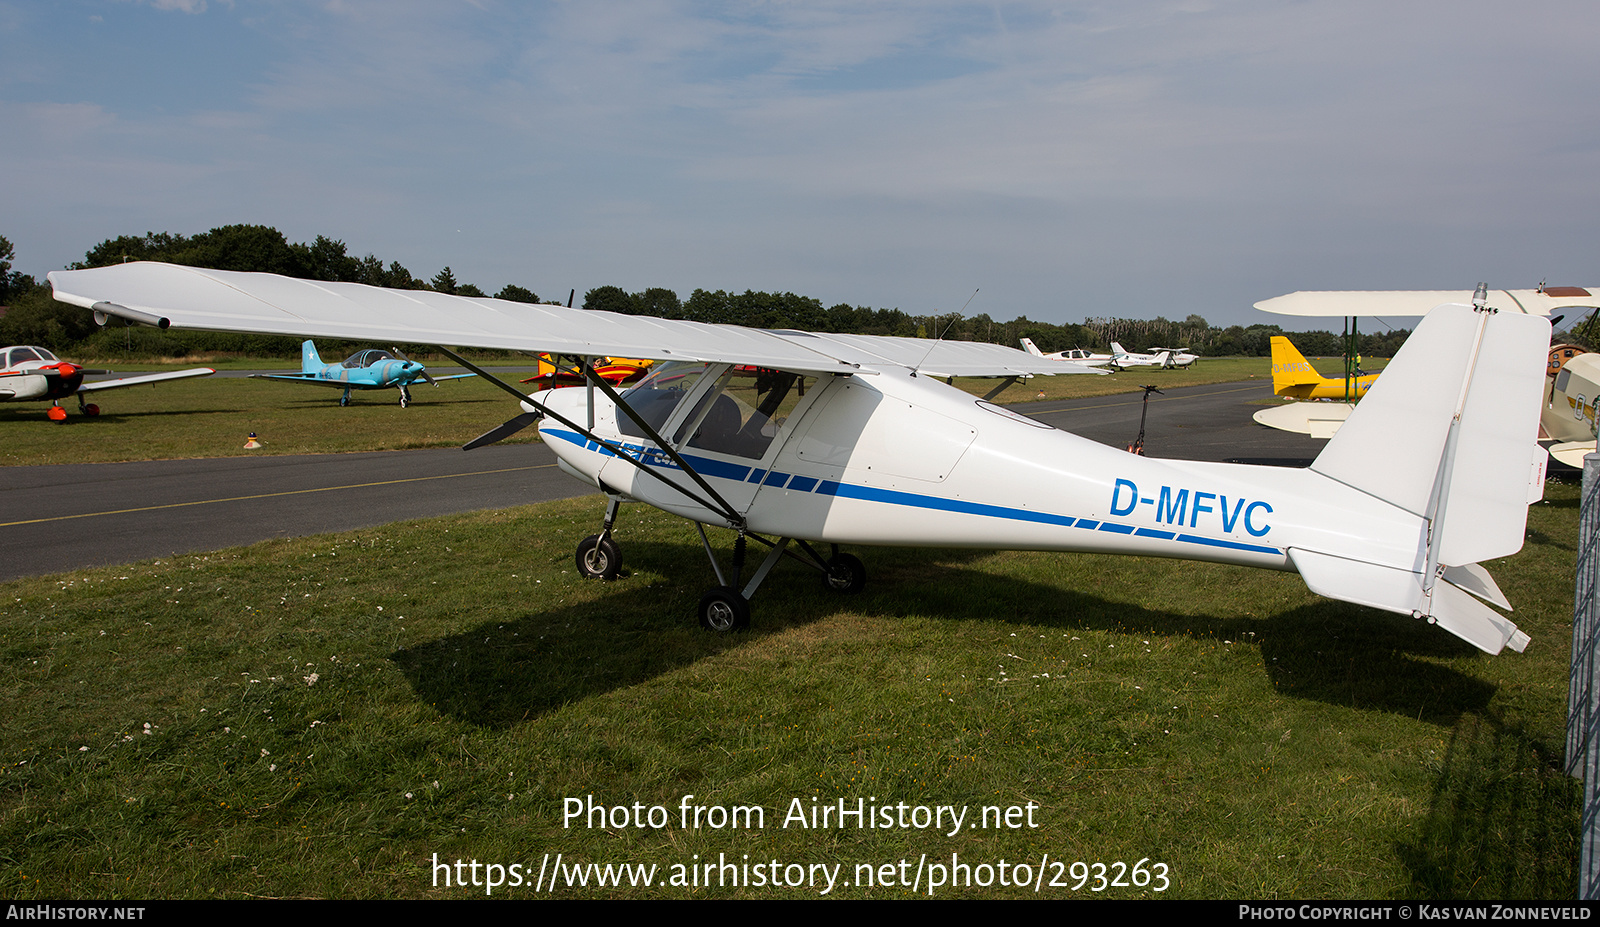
(34, 318)
(786, 310)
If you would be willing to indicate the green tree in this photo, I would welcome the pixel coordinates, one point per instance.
(610, 299)
(517, 294)
(444, 281)
(12, 283)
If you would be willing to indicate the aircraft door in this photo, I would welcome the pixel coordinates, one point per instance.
(729, 426)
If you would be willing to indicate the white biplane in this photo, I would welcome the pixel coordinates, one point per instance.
(799, 441)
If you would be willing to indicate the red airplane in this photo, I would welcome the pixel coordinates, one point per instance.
(32, 373)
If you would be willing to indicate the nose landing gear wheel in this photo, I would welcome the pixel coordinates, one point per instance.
(405, 397)
(599, 557)
(846, 575)
(724, 610)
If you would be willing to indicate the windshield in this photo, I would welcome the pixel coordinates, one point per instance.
(657, 395)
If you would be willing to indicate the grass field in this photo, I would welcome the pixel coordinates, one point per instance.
(335, 716)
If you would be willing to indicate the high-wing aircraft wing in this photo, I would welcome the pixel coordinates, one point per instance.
(212, 300)
(1542, 301)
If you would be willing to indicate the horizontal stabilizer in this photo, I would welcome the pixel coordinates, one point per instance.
(1399, 590)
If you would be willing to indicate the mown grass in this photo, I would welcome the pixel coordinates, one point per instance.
(326, 716)
(213, 417)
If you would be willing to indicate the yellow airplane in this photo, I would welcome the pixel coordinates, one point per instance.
(1294, 377)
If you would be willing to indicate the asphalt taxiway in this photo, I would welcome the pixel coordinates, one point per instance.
(79, 515)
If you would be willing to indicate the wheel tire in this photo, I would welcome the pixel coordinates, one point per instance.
(599, 558)
(91, 410)
(846, 574)
(405, 397)
(724, 611)
(344, 400)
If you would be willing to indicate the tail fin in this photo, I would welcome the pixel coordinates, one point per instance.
(309, 361)
(1117, 348)
(1448, 433)
(1289, 367)
(1031, 348)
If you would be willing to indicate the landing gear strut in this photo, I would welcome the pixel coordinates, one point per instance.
(598, 555)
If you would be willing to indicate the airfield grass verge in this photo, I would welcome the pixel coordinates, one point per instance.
(328, 716)
(213, 416)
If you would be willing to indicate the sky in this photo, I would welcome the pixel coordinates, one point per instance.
(1065, 160)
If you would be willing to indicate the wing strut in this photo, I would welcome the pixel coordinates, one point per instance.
(528, 418)
(595, 379)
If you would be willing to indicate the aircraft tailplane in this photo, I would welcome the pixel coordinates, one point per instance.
(310, 361)
(1290, 367)
(1448, 433)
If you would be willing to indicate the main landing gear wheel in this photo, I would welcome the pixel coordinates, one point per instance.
(91, 410)
(344, 400)
(600, 558)
(846, 575)
(724, 610)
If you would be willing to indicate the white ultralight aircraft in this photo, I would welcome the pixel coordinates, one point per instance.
(796, 439)
(1121, 358)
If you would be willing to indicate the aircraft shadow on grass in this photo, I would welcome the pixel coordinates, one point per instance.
(1504, 820)
(504, 673)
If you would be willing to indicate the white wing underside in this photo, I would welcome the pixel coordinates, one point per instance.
(213, 300)
(147, 378)
(1327, 303)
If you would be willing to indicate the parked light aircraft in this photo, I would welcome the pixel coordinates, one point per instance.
(613, 370)
(1178, 357)
(1322, 420)
(1293, 377)
(850, 439)
(32, 373)
(373, 368)
(1121, 358)
(1075, 355)
(1571, 398)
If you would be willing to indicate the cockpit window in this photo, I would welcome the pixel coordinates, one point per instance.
(367, 358)
(22, 356)
(749, 411)
(657, 395)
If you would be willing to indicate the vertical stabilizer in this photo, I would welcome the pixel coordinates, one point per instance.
(1031, 348)
(310, 362)
(1448, 435)
(1290, 367)
(1449, 430)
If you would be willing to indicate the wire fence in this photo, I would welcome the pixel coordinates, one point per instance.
(1583, 699)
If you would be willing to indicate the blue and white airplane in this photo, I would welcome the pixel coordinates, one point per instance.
(805, 441)
(373, 368)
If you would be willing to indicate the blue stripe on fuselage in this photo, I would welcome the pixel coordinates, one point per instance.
(724, 470)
